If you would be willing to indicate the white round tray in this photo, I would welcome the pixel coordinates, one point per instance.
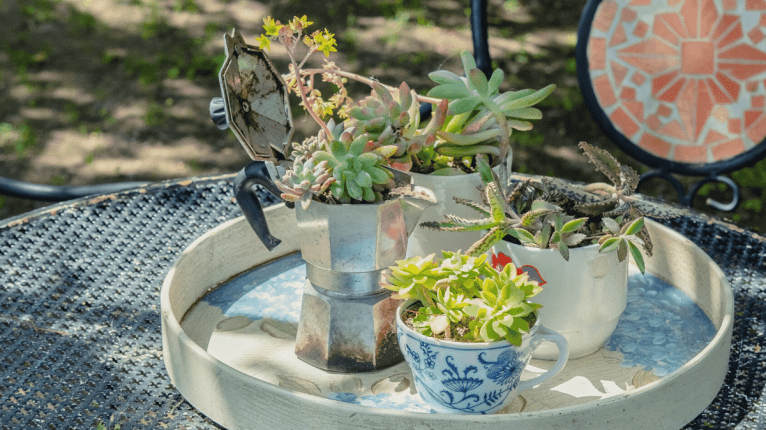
(228, 385)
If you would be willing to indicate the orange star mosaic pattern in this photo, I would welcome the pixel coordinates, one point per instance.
(685, 80)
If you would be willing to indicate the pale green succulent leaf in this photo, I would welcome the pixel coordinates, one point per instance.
(512, 95)
(524, 236)
(338, 150)
(378, 175)
(523, 113)
(450, 91)
(637, 257)
(496, 80)
(609, 245)
(368, 195)
(357, 145)
(575, 239)
(545, 235)
(622, 250)
(468, 139)
(519, 125)
(528, 100)
(478, 81)
(353, 189)
(363, 179)
(462, 105)
(467, 151)
(444, 77)
(611, 225)
(468, 62)
(573, 225)
(635, 226)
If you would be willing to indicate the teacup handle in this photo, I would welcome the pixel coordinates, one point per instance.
(545, 334)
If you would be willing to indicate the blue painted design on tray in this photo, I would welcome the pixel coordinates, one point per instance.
(273, 290)
(661, 328)
(385, 401)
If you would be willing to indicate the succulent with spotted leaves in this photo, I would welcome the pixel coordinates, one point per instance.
(558, 214)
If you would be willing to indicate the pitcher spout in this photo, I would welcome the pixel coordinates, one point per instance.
(414, 204)
(414, 199)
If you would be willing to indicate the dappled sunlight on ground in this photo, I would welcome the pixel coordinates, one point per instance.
(116, 90)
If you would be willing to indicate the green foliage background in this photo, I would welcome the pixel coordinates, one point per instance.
(125, 84)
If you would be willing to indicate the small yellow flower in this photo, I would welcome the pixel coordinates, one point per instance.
(264, 42)
(271, 27)
(301, 23)
(326, 41)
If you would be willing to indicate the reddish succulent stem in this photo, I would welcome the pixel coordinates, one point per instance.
(368, 81)
(302, 90)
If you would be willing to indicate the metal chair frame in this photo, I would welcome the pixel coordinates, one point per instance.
(663, 168)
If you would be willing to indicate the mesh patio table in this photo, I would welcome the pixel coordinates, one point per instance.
(80, 339)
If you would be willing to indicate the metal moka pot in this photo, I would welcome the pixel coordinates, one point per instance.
(347, 318)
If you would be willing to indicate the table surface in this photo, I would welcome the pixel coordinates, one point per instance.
(80, 335)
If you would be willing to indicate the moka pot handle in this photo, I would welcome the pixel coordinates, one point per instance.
(256, 173)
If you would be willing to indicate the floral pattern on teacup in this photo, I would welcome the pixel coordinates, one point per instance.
(461, 387)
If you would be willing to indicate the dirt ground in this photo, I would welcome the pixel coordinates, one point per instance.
(101, 91)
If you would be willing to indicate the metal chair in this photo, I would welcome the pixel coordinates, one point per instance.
(683, 92)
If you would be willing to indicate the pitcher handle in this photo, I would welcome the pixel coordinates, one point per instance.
(256, 173)
(545, 334)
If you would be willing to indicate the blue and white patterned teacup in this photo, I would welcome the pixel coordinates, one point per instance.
(473, 378)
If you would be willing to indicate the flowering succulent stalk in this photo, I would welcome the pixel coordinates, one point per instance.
(464, 298)
(291, 35)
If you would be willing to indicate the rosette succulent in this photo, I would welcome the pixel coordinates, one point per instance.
(393, 118)
(464, 298)
(358, 175)
(307, 179)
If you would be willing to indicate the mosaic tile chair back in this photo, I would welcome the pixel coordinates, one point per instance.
(679, 85)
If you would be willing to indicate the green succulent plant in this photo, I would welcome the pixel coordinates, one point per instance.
(393, 118)
(480, 119)
(463, 298)
(561, 215)
(306, 179)
(358, 175)
(470, 117)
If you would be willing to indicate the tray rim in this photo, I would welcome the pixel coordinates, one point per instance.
(181, 348)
